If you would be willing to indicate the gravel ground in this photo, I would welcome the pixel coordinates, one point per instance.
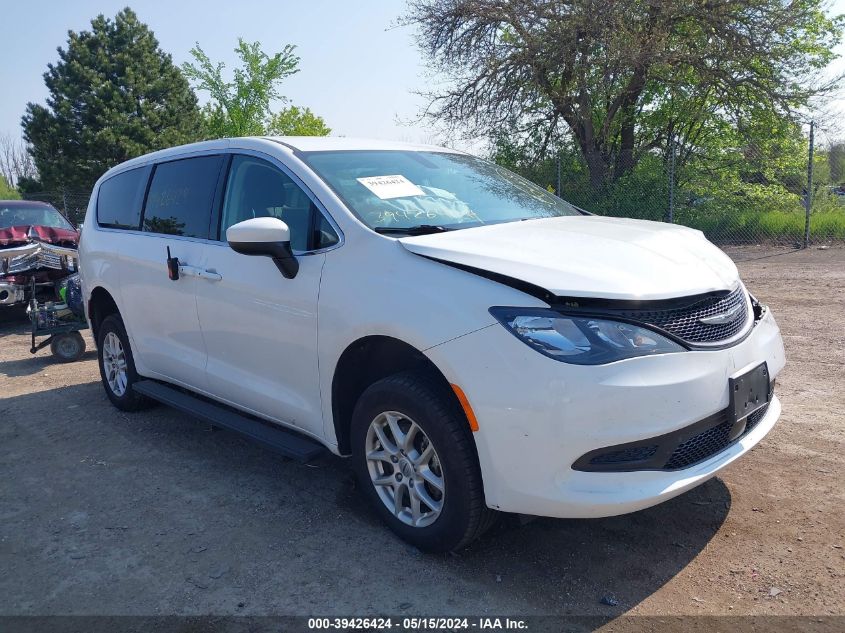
(103, 512)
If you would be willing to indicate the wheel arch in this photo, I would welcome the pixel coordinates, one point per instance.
(100, 305)
(365, 361)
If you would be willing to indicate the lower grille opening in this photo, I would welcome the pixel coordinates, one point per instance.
(674, 451)
(714, 440)
(637, 454)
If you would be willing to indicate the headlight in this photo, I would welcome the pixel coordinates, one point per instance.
(582, 341)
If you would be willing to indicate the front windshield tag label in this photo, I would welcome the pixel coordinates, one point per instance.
(387, 187)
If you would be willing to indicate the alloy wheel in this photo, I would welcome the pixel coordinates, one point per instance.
(114, 364)
(405, 469)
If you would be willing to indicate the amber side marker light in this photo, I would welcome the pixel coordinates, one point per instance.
(473, 421)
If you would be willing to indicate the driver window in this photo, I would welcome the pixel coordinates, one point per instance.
(256, 189)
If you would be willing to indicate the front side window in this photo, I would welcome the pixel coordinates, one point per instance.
(14, 214)
(405, 189)
(119, 199)
(256, 189)
(181, 197)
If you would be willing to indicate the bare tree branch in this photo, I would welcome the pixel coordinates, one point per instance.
(15, 161)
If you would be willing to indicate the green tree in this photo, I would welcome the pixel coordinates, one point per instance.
(114, 95)
(243, 106)
(618, 79)
(29, 185)
(739, 183)
(296, 121)
(6, 190)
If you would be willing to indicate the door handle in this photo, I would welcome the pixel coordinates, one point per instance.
(193, 271)
(210, 275)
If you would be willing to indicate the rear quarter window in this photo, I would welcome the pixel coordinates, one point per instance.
(120, 198)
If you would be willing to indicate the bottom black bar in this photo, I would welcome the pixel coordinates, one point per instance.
(260, 624)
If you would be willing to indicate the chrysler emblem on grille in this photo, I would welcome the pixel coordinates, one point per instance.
(722, 318)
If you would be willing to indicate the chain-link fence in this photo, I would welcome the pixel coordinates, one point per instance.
(749, 198)
(72, 203)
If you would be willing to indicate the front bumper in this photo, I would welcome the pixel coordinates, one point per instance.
(42, 262)
(537, 416)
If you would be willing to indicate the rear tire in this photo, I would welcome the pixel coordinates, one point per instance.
(117, 367)
(429, 462)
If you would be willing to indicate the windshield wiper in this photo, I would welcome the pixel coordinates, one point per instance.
(419, 229)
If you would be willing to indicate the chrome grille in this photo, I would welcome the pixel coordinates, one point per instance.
(49, 260)
(685, 322)
(20, 263)
(31, 261)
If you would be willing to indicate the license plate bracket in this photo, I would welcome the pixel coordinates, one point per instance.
(749, 391)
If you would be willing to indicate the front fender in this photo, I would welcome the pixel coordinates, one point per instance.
(377, 288)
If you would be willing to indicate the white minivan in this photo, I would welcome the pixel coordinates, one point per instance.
(474, 343)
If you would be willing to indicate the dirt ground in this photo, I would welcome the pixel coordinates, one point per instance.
(103, 512)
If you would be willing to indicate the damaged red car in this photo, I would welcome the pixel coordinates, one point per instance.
(37, 243)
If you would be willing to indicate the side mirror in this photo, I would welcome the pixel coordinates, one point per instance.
(268, 237)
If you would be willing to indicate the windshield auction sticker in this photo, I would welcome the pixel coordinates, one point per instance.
(387, 187)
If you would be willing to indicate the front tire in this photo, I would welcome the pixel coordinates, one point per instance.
(117, 367)
(415, 460)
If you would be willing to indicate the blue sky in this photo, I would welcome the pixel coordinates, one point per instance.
(357, 71)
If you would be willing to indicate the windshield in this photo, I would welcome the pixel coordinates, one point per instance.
(404, 189)
(12, 214)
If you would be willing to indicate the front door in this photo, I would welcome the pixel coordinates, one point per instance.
(260, 329)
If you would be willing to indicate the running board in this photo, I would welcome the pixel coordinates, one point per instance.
(284, 441)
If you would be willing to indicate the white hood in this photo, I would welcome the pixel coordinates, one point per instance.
(589, 256)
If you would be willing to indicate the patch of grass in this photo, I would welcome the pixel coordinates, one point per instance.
(742, 226)
(829, 225)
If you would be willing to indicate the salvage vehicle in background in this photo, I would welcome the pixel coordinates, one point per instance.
(38, 249)
(473, 342)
